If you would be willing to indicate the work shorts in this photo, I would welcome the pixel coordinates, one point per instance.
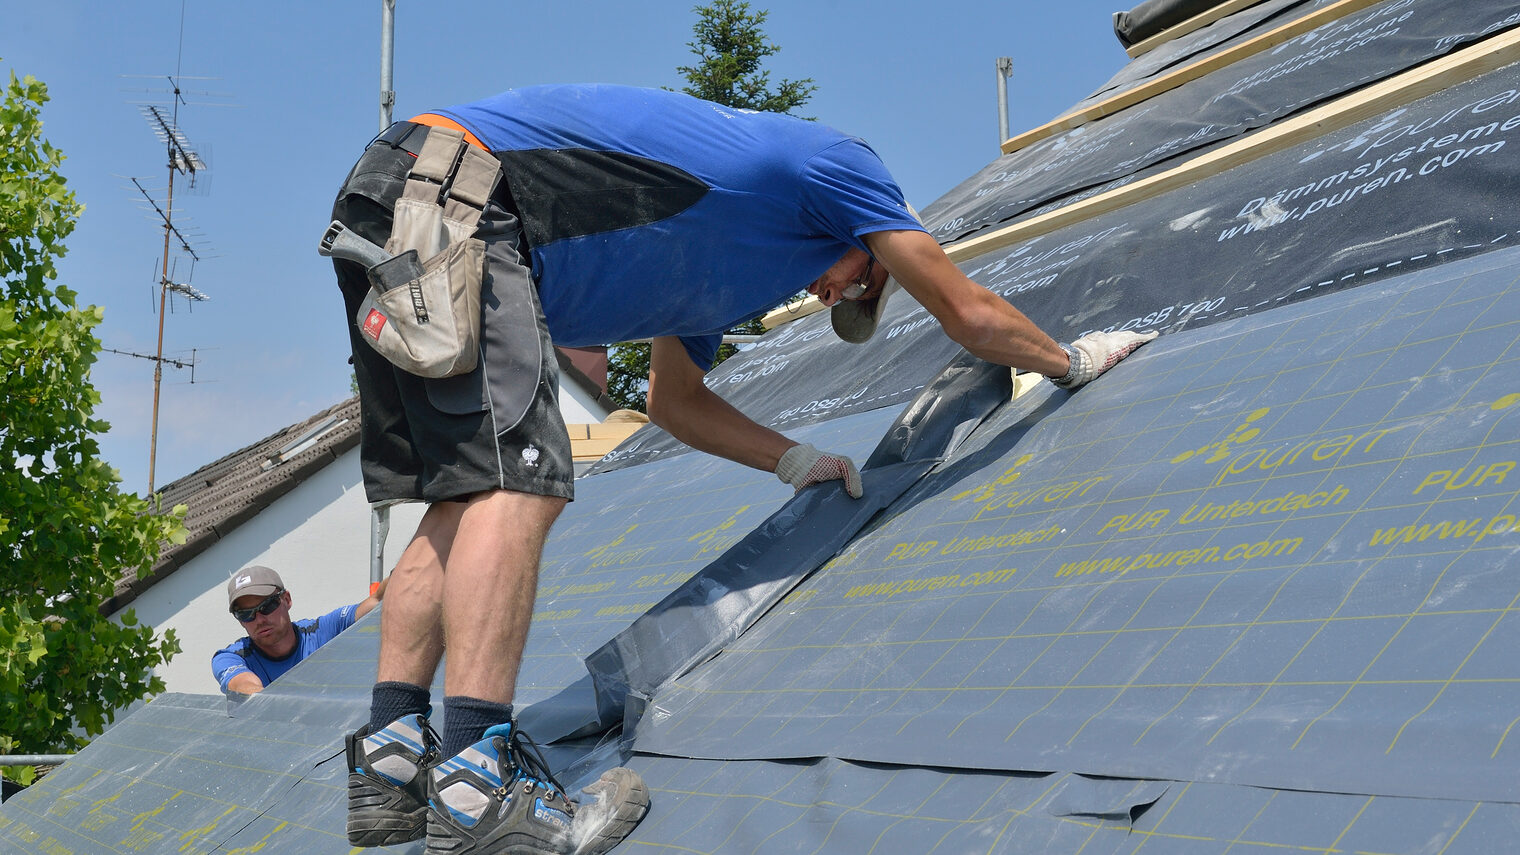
(450, 438)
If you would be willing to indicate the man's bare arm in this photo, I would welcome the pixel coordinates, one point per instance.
(989, 327)
(372, 600)
(682, 404)
(245, 683)
(973, 317)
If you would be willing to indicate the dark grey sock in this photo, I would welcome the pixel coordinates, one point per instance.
(465, 720)
(391, 700)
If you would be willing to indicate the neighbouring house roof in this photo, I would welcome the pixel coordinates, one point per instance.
(228, 492)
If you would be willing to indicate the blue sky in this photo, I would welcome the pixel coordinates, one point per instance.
(294, 97)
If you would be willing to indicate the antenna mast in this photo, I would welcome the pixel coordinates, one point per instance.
(387, 43)
(183, 159)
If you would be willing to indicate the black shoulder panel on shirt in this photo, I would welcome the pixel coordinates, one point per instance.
(564, 193)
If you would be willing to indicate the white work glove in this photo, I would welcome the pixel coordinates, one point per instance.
(803, 466)
(1096, 352)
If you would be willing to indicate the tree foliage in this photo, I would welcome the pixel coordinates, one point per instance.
(67, 531)
(731, 46)
(628, 375)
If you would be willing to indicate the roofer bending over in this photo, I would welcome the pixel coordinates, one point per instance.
(597, 214)
(274, 643)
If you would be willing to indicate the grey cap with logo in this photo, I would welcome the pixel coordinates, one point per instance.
(255, 580)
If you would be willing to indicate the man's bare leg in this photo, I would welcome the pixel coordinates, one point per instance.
(388, 760)
(411, 623)
(490, 582)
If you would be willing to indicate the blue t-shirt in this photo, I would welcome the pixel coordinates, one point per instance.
(243, 657)
(652, 213)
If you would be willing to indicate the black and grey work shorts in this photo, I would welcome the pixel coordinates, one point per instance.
(451, 438)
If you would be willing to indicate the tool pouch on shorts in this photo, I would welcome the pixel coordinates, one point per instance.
(423, 308)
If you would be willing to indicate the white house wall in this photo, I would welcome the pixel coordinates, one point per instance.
(578, 407)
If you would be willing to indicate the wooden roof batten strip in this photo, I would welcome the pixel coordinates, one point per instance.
(1491, 54)
(1174, 79)
(1197, 22)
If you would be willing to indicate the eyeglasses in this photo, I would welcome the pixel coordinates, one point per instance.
(267, 607)
(857, 289)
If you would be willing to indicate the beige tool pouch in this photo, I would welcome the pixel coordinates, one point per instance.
(426, 320)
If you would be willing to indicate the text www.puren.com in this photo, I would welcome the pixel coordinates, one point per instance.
(1180, 557)
(931, 583)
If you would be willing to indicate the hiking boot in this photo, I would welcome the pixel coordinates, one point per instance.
(497, 796)
(387, 781)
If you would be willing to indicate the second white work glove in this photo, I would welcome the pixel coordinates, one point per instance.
(803, 466)
(1096, 352)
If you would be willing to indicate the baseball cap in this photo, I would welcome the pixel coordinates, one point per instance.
(855, 320)
(254, 579)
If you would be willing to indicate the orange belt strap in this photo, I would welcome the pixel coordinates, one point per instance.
(434, 120)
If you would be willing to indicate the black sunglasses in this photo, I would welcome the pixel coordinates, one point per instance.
(270, 603)
(857, 289)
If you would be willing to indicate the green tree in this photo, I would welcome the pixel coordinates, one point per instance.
(67, 531)
(731, 46)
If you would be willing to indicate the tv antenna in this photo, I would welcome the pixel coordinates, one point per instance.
(182, 160)
(185, 161)
(177, 363)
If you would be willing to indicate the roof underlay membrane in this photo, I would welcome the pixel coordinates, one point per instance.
(1251, 591)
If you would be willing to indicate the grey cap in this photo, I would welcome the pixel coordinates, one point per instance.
(855, 320)
(253, 579)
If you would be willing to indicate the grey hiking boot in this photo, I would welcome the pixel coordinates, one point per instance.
(387, 781)
(497, 796)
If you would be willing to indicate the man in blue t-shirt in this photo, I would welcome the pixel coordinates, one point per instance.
(615, 213)
(274, 643)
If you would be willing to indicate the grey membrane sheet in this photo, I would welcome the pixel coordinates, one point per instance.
(1278, 553)
(1206, 41)
(1416, 186)
(635, 535)
(830, 805)
(718, 604)
(1152, 17)
(180, 776)
(1157, 17)
(715, 606)
(1336, 58)
(1226, 32)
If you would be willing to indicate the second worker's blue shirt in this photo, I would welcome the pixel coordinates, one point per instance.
(242, 656)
